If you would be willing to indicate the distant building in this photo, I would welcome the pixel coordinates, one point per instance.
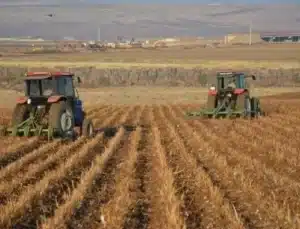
(280, 37)
(242, 38)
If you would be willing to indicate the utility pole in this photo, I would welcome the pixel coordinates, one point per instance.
(99, 34)
(250, 33)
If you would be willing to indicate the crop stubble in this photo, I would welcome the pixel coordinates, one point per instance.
(150, 168)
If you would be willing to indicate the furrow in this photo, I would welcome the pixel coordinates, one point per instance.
(114, 212)
(65, 211)
(38, 202)
(204, 204)
(37, 171)
(258, 209)
(137, 216)
(87, 215)
(90, 112)
(14, 152)
(266, 179)
(166, 205)
(22, 164)
(111, 119)
(278, 156)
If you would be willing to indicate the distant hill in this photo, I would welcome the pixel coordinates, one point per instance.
(81, 21)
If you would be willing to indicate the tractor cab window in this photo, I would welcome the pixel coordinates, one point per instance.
(228, 81)
(224, 82)
(47, 87)
(65, 86)
(69, 86)
(240, 81)
(33, 87)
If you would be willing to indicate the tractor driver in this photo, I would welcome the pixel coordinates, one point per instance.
(231, 84)
(47, 87)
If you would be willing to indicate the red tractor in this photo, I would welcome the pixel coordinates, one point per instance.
(50, 107)
(231, 98)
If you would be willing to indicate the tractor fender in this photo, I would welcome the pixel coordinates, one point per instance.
(55, 98)
(22, 100)
(78, 112)
(239, 91)
(212, 92)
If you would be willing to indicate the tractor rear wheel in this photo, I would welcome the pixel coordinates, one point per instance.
(87, 128)
(244, 103)
(255, 104)
(20, 114)
(61, 118)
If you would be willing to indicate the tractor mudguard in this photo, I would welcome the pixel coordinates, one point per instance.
(212, 92)
(55, 98)
(239, 91)
(22, 100)
(78, 112)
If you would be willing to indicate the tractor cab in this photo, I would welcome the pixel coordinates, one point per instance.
(45, 86)
(230, 81)
(226, 79)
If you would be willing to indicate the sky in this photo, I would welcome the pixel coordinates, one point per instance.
(141, 20)
(22, 2)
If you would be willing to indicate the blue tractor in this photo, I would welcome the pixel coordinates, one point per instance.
(50, 107)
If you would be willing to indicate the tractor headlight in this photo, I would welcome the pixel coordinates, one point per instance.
(212, 88)
(29, 101)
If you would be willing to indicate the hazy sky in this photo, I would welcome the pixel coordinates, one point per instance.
(140, 20)
(147, 1)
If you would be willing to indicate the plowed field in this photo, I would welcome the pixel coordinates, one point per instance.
(150, 167)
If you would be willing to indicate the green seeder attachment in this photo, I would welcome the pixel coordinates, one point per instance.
(30, 127)
(229, 110)
(219, 112)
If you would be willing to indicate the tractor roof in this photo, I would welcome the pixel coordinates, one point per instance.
(229, 74)
(45, 75)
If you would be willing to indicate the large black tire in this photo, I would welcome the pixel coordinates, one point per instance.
(255, 103)
(87, 128)
(244, 102)
(20, 114)
(61, 118)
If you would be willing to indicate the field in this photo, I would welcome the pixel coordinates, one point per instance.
(237, 56)
(150, 167)
(275, 65)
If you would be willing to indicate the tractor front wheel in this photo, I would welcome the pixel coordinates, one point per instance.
(61, 118)
(87, 128)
